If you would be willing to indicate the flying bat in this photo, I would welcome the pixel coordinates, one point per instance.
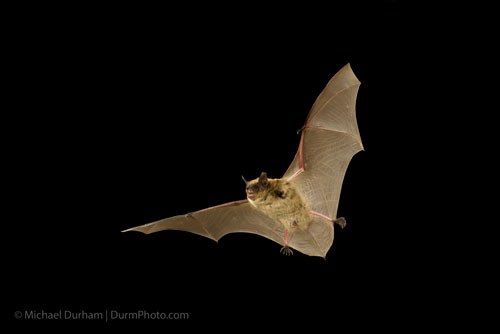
(299, 210)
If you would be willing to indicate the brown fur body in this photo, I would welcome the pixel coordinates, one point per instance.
(282, 202)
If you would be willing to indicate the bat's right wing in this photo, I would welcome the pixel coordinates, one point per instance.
(241, 216)
(217, 221)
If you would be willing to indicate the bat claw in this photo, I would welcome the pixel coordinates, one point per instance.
(287, 251)
(341, 222)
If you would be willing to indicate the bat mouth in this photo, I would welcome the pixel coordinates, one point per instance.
(250, 193)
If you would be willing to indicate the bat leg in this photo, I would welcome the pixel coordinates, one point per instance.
(286, 250)
(341, 222)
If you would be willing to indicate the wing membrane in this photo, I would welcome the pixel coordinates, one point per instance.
(329, 140)
(217, 221)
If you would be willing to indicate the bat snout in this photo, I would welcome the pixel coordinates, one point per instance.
(250, 193)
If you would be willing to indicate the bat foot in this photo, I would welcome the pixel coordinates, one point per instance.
(287, 251)
(341, 222)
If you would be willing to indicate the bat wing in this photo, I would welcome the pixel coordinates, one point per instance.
(217, 221)
(329, 139)
(241, 216)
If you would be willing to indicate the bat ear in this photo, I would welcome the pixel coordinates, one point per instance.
(246, 182)
(263, 179)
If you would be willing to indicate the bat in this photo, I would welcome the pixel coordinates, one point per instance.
(299, 210)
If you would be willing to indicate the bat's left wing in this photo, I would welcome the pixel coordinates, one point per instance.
(215, 222)
(330, 138)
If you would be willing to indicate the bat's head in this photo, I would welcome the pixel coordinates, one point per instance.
(257, 188)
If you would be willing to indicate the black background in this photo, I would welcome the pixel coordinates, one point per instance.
(127, 117)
